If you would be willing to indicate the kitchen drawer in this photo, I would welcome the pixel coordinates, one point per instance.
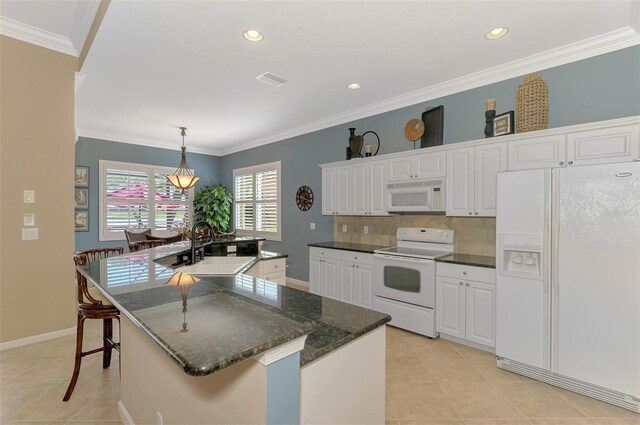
(356, 257)
(273, 266)
(459, 271)
(333, 254)
(278, 278)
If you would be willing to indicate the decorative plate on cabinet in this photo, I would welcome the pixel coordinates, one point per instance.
(304, 198)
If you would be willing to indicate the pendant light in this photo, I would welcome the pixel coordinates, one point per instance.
(183, 178)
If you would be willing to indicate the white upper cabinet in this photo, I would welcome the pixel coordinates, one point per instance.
(418, 166)
(489, 161)
(336, 194)
(615, 144)
(471, 179)
(539, 152)
(459, 182)
(369, 188)
(598, 146)
(359, 187)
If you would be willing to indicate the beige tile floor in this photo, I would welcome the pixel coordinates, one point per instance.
(430, 382)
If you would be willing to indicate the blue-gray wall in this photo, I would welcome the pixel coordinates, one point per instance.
(90, 151)
(594, 89)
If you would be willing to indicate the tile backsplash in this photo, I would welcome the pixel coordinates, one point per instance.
(474, 235)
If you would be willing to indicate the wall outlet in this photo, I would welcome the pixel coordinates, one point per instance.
(159, 419)
(312, 226)
(344, 228)
(365, 229)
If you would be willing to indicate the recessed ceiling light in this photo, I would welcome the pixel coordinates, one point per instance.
(354, 86)
(252, 35)
(496, 33)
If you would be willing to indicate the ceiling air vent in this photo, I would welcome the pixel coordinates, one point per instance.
(271, 79)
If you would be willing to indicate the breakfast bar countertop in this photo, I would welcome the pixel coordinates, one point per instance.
(219, 321)
(469, 260)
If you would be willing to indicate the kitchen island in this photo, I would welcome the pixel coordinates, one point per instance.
(238, 349)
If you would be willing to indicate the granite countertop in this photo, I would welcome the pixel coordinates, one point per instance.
(229, 318)
(469, 260)
(346, 246)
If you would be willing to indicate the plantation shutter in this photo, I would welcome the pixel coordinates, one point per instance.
(138, 196)
(127, 196)
(257, 200)
(267, 201)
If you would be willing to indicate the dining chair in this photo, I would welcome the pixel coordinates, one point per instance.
(136, 235)
(93, 305)
(146, 244)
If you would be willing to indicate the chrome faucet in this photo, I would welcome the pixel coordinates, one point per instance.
(194, 258)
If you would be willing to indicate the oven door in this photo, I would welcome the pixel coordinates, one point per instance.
(410, 280)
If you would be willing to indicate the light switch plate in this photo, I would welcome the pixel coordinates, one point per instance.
(344, 228)
(365, 229)
(30, 234)
(29, 196)
(312, 226)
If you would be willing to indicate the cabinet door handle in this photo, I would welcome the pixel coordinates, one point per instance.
(468, 284)
(561, 162)
(476, 212)
(470, 213)
(461, 283)
(464, 273)
(570, 162)
(275, 266)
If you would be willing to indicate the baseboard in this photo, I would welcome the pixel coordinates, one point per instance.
(36, 338)
(297, 282)
(124, 414)
(467, 343)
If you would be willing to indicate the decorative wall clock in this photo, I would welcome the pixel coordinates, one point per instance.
(304, 198)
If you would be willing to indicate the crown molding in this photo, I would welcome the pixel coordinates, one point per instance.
(85, 14)
(30, 34)
(120, 138)
(605, 43)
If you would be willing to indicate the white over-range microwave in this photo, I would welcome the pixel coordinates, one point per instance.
(416, 196)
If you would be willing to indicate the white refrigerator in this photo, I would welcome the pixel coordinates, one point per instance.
(568, 278)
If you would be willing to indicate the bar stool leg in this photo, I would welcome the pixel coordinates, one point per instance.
(107, 344)
(76, 368)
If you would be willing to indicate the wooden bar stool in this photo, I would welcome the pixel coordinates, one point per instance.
(93, 305)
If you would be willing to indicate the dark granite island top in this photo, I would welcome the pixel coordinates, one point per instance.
(228, 318)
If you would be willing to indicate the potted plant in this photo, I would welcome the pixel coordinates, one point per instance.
(213, 205)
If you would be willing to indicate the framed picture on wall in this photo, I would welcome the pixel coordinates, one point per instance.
(81, 221)
(81, 198)
(82, 176)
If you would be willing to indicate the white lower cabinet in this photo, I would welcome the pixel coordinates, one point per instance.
(343, 275)
(465, 303)
(271, 270)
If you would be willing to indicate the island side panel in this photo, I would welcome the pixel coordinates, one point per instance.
(151, 382)
(283, 391)
(346, 386)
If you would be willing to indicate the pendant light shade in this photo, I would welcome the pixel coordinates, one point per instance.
(183, 178)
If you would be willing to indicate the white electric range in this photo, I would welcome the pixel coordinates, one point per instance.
(404, 278)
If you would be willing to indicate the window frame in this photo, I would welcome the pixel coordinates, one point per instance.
(277, 165)
(151, 170)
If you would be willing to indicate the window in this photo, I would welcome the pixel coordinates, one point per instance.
(256, 194)
(139, 196)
